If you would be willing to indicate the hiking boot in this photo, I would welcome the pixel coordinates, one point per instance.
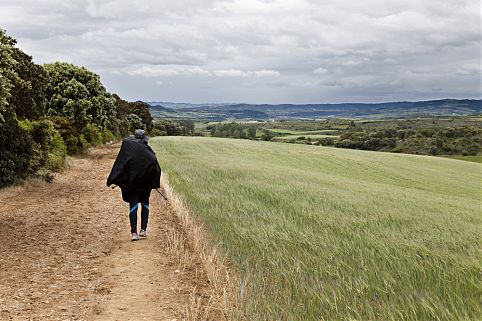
(134, 237)
(143, 233)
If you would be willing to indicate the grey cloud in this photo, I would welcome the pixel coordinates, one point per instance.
(316, 50)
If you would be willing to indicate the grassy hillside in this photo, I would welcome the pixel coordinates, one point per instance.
(476, 159)
(334, 234)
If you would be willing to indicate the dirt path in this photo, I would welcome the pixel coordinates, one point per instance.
(65, 252)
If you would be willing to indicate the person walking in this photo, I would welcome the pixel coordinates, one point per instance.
(136, 171)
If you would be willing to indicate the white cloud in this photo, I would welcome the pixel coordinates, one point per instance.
(240, 73)
(470, 69)
(320, 71)
(187, 70)
(267, 73)
(167, 70)
(230, 73)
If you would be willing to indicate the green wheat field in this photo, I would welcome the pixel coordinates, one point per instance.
(319, 233)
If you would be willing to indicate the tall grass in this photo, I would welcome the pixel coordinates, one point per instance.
(334, 234)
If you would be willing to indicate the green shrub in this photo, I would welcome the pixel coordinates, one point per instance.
(140, 109)
(83, 144)
(38, 157)
(107, 136)
(16, 151)
(135, 122)
(123, 128)
(77, 93)
(158, 132)
(56, 153)
(69, 134)
(267, 135)
(327, 141)
(26, 125)
(93, 135)
(49, 150)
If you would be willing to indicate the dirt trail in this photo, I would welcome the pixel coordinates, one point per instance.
(65, 252)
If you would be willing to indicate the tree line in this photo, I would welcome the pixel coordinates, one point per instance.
(50, 111)
(232, 130)
(424, 137)
(466, 140)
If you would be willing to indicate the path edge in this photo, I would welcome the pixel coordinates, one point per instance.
(220, 272)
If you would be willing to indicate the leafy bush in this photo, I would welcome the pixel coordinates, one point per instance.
(167, 127)
(424, 141)
(22, 83)
(158, 132)
(135, 122)
(326, 141)
(56, 153)
(124, 109)
(233, 130)
(93, 135)
(69, 134)
(107, 136)
(49, 150)
(267, 135)
(37, 159)
(77, 94)
(83, 144)
(16, 151)
(49, 111)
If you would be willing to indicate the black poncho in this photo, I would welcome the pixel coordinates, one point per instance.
(135, 168)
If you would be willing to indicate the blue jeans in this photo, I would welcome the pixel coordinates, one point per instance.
(136, 199)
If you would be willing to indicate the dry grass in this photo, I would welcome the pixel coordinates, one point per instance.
(188, 242)
(199, 309)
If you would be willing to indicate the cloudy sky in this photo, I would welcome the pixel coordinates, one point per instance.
(260, 51)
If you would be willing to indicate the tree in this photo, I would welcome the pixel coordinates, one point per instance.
(7, 65)
(48, 111)
(16, 152)
(187, 126)
(77, 94)
(141, 109)
(70, 99)
(167, 127)
(251, 132)
(28, 91)
(267, 135)
(135, 122)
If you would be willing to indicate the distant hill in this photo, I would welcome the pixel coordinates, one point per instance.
(159, 109)
(219, 112)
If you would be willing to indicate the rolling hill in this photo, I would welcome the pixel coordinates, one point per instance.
(319, 233)
(220, 112)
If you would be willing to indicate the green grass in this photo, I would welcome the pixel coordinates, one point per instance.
(312, 137)
(339, 126)
(295, 134)
(321, 233)
(476, 159)
(301, 132)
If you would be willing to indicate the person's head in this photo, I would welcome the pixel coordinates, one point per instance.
(141, 134)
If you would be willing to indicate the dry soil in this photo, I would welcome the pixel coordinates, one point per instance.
(66, 253)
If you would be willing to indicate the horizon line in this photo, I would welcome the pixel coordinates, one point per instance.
(319, 103)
